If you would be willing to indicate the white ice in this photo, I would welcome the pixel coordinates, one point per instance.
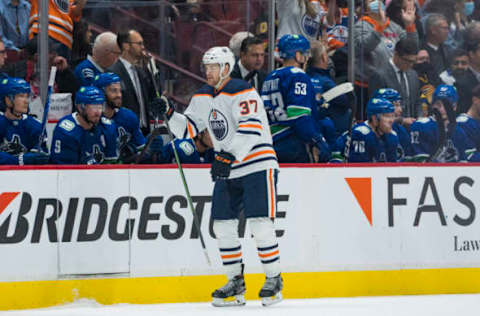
(424, 305)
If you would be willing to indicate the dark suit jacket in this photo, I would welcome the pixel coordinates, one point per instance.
(129, 97)
(465, 85)
(236, 73)
(440, 59)
(387, 78)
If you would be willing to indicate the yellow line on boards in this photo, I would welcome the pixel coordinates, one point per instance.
(37, 294)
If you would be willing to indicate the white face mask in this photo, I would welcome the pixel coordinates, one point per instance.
(373, 6)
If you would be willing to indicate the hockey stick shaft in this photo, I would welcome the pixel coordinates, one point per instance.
(196, 220)
(51, 82)
(348, 143)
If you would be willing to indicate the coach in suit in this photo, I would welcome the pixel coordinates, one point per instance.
(249, 66)
(137, 86)
(399, 75)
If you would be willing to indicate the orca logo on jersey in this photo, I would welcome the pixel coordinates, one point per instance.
(218, 123)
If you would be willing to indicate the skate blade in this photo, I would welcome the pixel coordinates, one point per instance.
(267, 301)
(237, 300)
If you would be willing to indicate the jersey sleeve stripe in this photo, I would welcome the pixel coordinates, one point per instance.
(259, 153)
(250, 126)
(193, 124)
(190, 130)
(202, 95)
(249, 133)
(249, 120)
(271, 188)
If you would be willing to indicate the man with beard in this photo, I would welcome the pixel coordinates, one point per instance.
(85, 137)
(458, 67)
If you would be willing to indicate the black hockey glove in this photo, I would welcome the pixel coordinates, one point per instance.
(221, 166)
(159, 107)
(33, 158)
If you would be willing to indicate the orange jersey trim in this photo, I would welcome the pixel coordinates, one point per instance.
(270, 254)
(251, 125)
(235, 255)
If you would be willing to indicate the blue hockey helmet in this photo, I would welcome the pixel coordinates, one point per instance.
(103, 80)
(444, 91)
(389, 94)
(89, 95)
(10, 87)
(379, 106)
(289, 44)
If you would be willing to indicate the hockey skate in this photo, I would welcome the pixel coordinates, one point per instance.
(271, 291)
(231, 294)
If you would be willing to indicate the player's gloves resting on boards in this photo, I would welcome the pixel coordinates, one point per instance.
(33, 158)
(221, 165)
(161, 106)
(323, 149)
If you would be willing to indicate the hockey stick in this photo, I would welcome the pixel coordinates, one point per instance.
(337, 91)
(353, 107)
(196, 220)
(51, 82)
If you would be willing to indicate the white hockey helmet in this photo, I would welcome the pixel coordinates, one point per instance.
(221, 55)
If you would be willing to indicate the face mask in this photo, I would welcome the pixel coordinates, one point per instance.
(423, 68)
(468, 8)
(373, 6)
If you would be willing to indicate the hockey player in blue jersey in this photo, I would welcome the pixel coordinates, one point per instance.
(289, 99)
(470, 123)
(19, 132)
(85, 137)
(438, 138)
(374, 140)
(193, 151)
(405, 151)
(131, 139)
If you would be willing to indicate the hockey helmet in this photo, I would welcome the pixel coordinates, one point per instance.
(89, 95)
(103, 80)
(389, 94)
(221, 55)
(10, 87)
(444, 91)
(290, 44)
(379, 106)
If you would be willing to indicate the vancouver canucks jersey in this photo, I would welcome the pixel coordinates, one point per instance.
(289, 98)
(471, 127)
(86, 71)
(187, 153)
(366, 146)
(425, 138)
(19, 136)
(405, 152)
(128, 127)
(71, 144)
(236, 121)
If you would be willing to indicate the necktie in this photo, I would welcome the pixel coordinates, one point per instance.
(138, 92)
(404, 93)
(250, 77)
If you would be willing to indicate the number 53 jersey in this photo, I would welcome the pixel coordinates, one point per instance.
(235, 117)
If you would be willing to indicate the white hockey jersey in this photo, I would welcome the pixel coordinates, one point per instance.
(237, 122)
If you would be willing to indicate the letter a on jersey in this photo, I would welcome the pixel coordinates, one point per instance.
(362, 190)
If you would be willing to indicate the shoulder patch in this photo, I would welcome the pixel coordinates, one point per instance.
(296, 70)
(423, 120)
(106, 121)
(394, 133)
(186, 147)
(88, 73)
(363, 129)
(67, 125)
(462, 118)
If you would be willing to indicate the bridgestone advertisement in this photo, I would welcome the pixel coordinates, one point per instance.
(136, 222)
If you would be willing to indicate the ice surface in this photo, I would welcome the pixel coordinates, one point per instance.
(425, 305)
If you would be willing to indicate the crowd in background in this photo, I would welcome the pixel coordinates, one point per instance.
(416, 93)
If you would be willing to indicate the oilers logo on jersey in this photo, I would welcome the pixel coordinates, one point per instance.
(310, 25)
(218, 123)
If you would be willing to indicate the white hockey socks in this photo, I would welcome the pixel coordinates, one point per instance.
(229, 245)
(263, 231)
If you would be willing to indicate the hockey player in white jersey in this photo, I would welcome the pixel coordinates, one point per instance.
(245, 171)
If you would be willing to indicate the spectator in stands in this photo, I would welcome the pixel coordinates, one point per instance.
(19, 132)
(3, 56)
(458, 67)
(436, 33)
(428, 80)
(394, 13)
(61, 14)
(82, 47)
(249, 66)
(236, 42)
(137, 89)
(375, 37)
(85, 137)
(399, 75)
(105, 53)
(471, 77)
(337, 109)
(470, 123)
(336, 23)
(299, 17)
(14, 15)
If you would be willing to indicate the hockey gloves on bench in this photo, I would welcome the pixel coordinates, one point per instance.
(159, 107)
(323, 149)
(221, 166)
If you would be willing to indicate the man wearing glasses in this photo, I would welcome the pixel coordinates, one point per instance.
(137, 87)
(399, 75)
